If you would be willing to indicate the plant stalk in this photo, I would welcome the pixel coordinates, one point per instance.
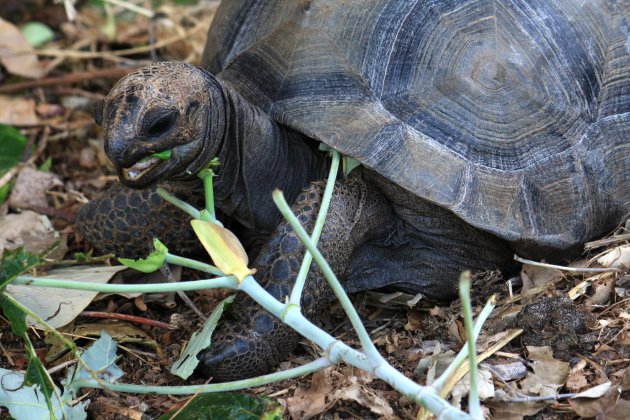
(298, 287)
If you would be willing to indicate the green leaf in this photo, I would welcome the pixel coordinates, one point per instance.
(36, 373)
(25, 402)
(12, 144)
(37, 34)
(227, 405)
(164, 154)
(152, 263)
(13, 263)
(100, 358)
(187, 362)
(45, 167)
(4, 192)
(349, 164)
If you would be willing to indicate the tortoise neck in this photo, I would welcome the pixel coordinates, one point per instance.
(258, 155)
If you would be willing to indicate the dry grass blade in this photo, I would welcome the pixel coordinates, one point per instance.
(607, 241)
(463, 369)
(88, 55)
(564, 268)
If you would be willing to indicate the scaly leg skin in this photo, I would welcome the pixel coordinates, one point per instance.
(125, 221)
(249, 341)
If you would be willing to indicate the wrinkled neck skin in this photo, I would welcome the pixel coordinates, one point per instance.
(257, 155)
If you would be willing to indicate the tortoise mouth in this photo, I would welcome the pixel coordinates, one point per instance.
(143, 171)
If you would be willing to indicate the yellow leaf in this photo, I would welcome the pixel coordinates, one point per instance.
(224, 248)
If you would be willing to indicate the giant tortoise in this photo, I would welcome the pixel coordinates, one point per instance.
(484, 128)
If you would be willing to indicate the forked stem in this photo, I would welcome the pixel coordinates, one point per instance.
(298, 287)
(368, 347)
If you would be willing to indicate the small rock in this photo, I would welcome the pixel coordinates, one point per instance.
(30, 189)
(509, 371)
(32, 231)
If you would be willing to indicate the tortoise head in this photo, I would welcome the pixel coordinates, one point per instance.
(159, 122)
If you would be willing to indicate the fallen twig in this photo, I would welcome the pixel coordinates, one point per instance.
(564, 268)
(129, 318)
(68, 79)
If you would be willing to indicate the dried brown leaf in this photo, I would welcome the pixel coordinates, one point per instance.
(32, 231)
(535, 276)
(617, 257)
(17, 110)
(414, 320)
(30, 189)
(12, 52)
(549, 374)
(577, 377)
(598, 407)
(309, 402)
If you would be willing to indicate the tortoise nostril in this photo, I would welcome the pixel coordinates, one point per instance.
(156, 125)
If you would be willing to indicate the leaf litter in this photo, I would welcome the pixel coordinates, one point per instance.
(557, 344)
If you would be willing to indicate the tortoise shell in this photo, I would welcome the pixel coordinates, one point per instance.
(513, 114)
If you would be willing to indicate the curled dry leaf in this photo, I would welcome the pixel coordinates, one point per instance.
(32, 231)
(618, 257)
(17, 110)
(58, 306)
(323, 394)
(533, 276)
(485, 387)
(604, 407)
(549, 374)
(14, 54)
(224, 248)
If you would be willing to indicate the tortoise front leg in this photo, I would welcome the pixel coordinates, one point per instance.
(125, 221)
(249, 341)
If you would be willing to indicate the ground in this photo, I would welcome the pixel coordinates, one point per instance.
(554, 332)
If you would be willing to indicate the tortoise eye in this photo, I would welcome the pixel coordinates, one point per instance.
(156, 124)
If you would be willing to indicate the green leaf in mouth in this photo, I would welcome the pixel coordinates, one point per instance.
(163, 155)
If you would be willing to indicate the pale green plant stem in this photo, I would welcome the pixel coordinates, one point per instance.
(464, 295)
(463, 353)
(228, 282)
(296, 292)
(29, 348)
(209, 192)
(194, 264)
(311, 367)
(338, 351)
(182, 205)
(368, 347)
(335, 350)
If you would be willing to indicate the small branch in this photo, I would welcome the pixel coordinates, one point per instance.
(68, 79)
(194, 264)
(440, 382)
(298, 286)
(311, 367)
(180, 204)
(540, 398)
(132, 7)
(563, 268)
(87, 55)
(91, 260)
(464, 296)
(166, 272)
(369, 348)
(229, 282)
(207, 176)
(607, 241)
(129, 318)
